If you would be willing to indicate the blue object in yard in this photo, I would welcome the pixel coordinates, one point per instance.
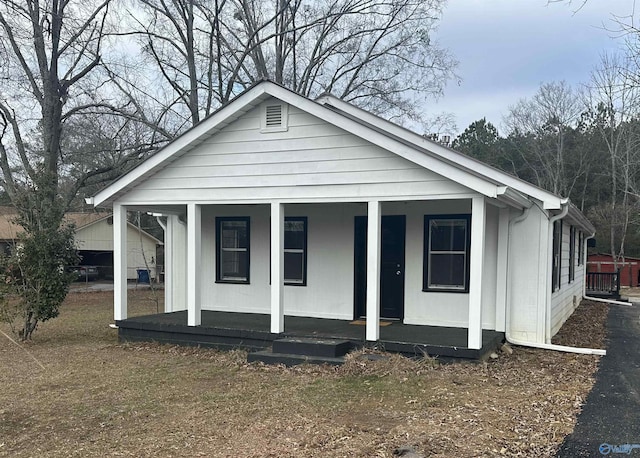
(143, 276)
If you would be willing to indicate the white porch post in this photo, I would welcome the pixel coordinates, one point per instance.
(169, 246)
(194, 231)
(119, 262)
(476, 260)
(373, 270)
(501, 274)
(277, 268)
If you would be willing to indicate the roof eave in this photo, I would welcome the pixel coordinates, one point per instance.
(181, 143)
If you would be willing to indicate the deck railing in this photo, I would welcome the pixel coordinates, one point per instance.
(603, 283)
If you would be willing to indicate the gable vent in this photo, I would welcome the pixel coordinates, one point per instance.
(274, 117)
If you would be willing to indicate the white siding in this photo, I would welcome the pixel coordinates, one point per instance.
(329, 292)
(490, 269)
(311, 160)
(565, 300)
(99, 237)
(528, 277)
(177, 243)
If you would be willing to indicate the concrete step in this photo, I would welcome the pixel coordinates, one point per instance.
(309, 346)
(268, 357)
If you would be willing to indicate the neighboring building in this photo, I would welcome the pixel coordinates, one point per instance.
(281, 205)
(94, 240)
(629, 267)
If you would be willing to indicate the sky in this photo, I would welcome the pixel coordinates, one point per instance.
(507, 48)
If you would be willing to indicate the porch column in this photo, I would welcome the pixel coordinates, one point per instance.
(194, 230)
(119, 262)
(373, 270)
(476, 258)
(277, 268)
(169, 246)
(501, 273)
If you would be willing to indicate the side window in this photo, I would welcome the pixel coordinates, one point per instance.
(580, 248)
(447, 241)
(572, 254)
(295, 251)
(232, 249)
(557, 248)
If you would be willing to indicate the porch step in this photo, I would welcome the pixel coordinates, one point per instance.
(308, 346)
(288, 359)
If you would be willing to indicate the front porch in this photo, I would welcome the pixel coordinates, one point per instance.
(252, 331)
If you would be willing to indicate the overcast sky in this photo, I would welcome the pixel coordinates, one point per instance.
(506, 48)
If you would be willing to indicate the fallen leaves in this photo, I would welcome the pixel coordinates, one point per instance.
(99, 398)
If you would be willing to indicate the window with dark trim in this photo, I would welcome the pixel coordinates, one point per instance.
(447, 240)
(295, 251)
(232, 249)
(557, 250)
(572, 253)
(580, 248)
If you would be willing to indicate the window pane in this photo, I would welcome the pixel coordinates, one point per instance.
(234, 234)
(233, 265)
(447, 270)
(294, 234)
(448, 234)
(294, 267)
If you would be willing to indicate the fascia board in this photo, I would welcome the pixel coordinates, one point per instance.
(437, 165)
(513, 198)
(182, 143)
(576, 215)
(550, 200)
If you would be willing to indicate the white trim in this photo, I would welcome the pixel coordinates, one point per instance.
(284, 118)
(374, 235)
(169, 246)
(404, 146)
(194, 250)
(184, 142)
(502, 269)
(119, 262)
(307, 200)
(546, 310)
(277, 267)
(550, 200)
(476, 255)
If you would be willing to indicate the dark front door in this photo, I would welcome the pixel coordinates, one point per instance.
(391, 268)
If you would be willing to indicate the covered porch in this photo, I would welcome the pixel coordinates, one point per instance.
(251, 331)
(346, 246)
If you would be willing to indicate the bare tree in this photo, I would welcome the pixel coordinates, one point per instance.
(379, 54)
(614, 98)
(50, 79)
(542, 125)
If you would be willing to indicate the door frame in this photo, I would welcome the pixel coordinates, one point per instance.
(360, 271)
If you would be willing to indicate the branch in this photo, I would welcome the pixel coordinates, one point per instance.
(23, 63)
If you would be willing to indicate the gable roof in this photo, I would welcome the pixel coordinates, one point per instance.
(9, 229)
(429, 154)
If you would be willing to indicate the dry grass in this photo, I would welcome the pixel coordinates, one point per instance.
(99, 398)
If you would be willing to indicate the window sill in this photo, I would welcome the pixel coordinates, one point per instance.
(234, 282)
(445, 290)
(295, 284)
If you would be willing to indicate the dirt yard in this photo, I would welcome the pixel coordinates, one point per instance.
(95, 397)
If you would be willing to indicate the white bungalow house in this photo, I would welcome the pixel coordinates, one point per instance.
(278, 205)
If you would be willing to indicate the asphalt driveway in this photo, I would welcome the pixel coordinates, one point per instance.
(609, 424)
